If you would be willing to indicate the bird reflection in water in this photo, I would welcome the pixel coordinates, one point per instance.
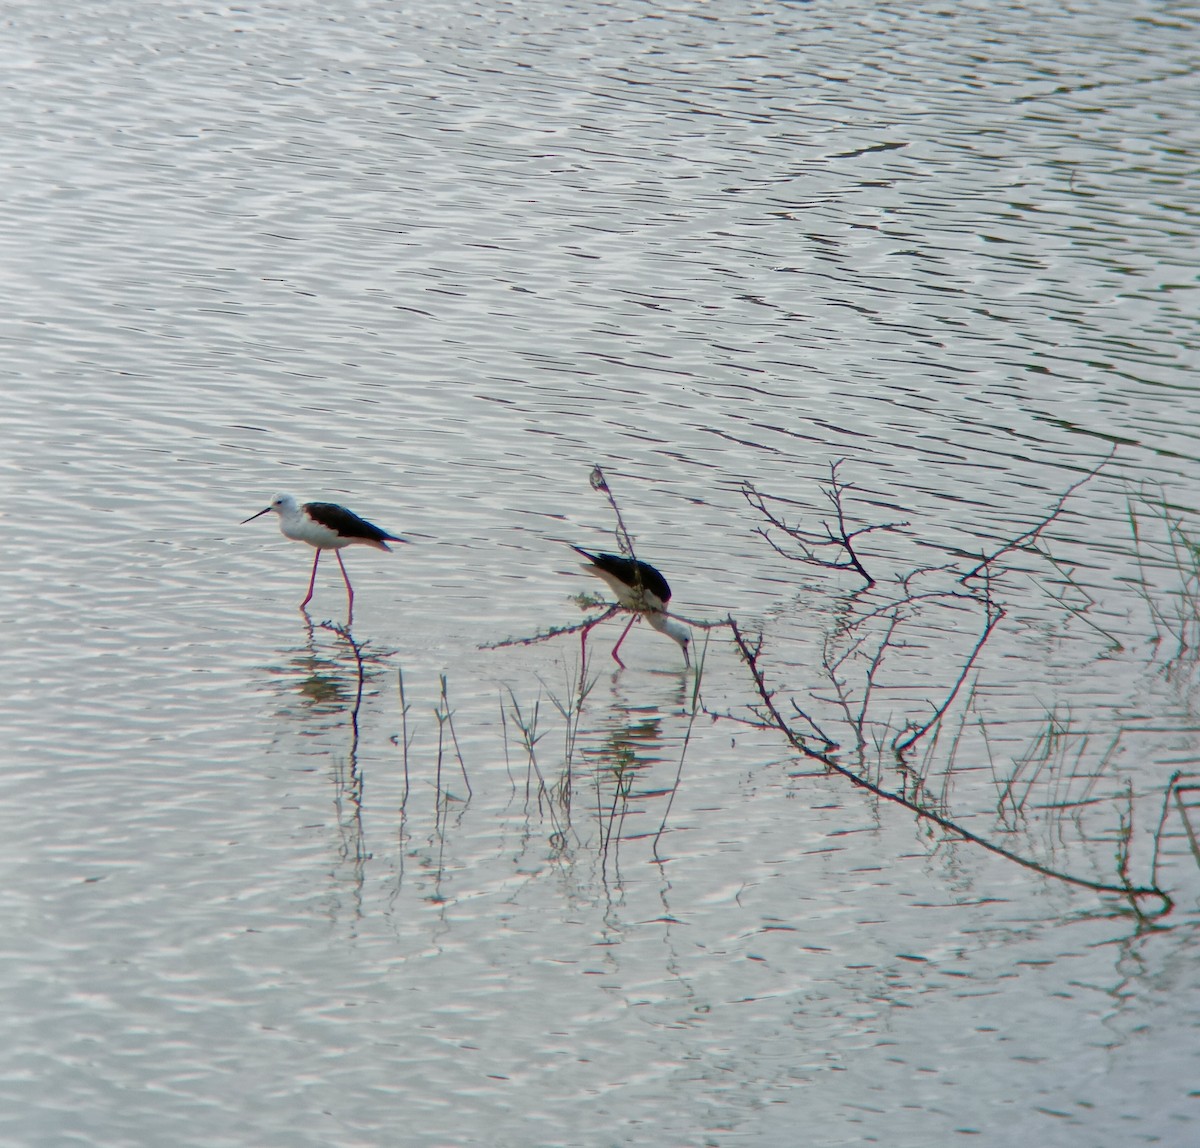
(328, 675)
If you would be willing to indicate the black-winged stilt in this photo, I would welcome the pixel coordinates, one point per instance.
(640, 589)
(325, 526)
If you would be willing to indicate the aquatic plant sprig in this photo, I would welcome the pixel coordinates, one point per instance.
(444, 714)
(570, 706)
(624, 539)
(695, 708)
(404, 739)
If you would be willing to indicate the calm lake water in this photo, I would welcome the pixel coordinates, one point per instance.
(437, 261)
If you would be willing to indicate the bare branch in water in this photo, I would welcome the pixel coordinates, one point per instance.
(554, 631)
(902, 744)
(751, 653)
(839, 536)
(600, 483)
(1026, 540)
(850, 645)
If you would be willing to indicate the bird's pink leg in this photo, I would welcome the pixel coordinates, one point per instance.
(616, 656)
(312, 581)
(583, 637)
(346, 579)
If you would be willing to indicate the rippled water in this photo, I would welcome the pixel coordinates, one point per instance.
(436, 262)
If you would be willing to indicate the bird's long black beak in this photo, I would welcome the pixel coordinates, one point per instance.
(252, 517)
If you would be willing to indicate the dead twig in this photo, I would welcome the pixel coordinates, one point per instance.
(1026, 540)
(751, 655)
(839, 536)
(554, 631)
(904, 743)
(624, 539)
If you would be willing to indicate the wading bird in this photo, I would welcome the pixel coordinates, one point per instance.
(641, 590)
(325, 526)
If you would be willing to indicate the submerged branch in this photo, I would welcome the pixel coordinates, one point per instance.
(554, 631)
(750, 655)
(902, 744)
(1025, 540)
(624, 539)
(840, 537)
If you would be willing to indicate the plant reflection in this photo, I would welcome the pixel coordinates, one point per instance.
(328, 674)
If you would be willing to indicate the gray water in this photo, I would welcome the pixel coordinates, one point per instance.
(435, 262)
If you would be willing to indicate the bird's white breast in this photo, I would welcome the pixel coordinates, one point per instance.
(301, 528)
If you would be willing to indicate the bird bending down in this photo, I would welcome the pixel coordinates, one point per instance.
(325, 526)
(640, 589)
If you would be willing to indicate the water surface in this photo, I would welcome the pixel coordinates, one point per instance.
(435, 264)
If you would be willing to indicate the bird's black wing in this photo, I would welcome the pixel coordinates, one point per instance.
(635, 574)
(346, 522)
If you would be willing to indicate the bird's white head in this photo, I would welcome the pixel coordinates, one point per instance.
(283, 504)
(672, 629)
